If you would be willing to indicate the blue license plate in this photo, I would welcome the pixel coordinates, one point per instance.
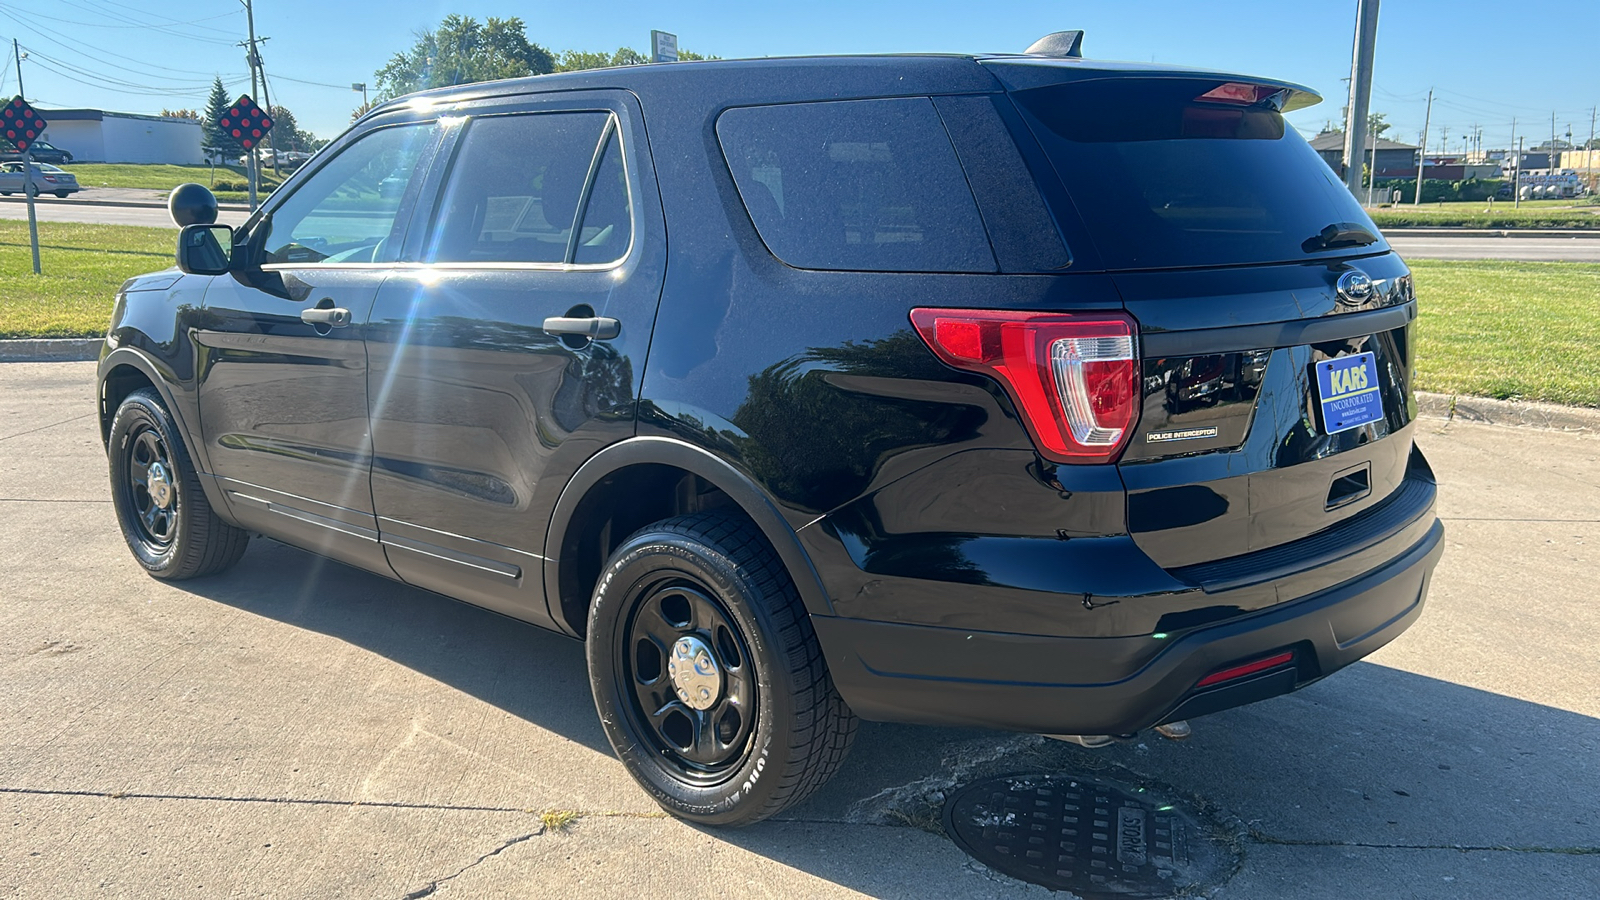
(1347, 390)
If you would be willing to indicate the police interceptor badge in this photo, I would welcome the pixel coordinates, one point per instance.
(1181, 434)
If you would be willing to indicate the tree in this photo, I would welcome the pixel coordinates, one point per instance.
(462, 51)
(362, 110)
(1377, 123)
(215, 138)
(288, 134)
(577, 60)
(180, 114)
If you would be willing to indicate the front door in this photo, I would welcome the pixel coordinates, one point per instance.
(283, 369)
(478, 412)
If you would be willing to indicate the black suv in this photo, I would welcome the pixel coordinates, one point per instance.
(1018, 391)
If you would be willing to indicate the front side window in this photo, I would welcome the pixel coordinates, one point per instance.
(865, 185)
(346, 212)
(515, 186)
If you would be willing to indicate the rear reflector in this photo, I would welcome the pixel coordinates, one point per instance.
(1249, 668)
(1074, 377)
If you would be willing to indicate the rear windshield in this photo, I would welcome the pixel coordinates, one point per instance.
(1163, 179)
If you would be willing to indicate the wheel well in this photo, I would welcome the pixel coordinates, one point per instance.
(614, 508)
(118, 384)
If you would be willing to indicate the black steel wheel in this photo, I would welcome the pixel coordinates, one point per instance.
(694, 692)
(165, 517)
(707, 674)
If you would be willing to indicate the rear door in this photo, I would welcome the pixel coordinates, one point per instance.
(283, 368)
(479, 412)
(1275, 325)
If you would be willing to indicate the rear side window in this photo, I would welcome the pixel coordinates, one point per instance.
(1166, 178)
(513, 191)
(862, 185)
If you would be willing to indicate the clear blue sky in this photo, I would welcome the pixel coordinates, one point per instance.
(1489, 59)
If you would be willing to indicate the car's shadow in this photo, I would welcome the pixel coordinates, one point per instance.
(1374, 756)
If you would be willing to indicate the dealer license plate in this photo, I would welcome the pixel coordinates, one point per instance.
(1347, 391)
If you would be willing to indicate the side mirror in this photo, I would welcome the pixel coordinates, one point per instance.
(192, 204)
(205, 249)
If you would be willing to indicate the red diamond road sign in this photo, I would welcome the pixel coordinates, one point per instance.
(20, 123)
(246, 122)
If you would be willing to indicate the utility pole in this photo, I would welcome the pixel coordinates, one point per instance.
(15, 51)
(1516, 180)
(1355, 128)
(251, 165)
(1552, 143)
(1589, 148)
(1372, 170)
(1422, 152)
(1516, 156)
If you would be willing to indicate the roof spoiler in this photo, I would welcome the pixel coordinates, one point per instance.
(1062, 44)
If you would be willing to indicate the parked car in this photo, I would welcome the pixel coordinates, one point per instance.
(41, 152)
(801, 409)
(47, 179)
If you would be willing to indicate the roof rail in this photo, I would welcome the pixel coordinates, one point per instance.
(1064, 44)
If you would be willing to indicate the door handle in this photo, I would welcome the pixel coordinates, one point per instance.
(335, 317)
(599, 328)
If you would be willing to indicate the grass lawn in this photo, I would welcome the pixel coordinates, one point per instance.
(159, 177)
(83, 267)
(1477, 215)
(1512, 330)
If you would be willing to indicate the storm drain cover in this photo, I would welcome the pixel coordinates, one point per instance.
(1093, 837)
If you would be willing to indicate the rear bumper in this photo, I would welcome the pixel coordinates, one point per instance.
(1115, 685)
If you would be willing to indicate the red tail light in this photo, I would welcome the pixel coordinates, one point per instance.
(1074, 377)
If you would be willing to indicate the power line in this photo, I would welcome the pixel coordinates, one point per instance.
(158, 28)
(72, 44)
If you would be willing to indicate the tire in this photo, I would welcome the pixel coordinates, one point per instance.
(775, 728)
(165, 517)
(63, 194)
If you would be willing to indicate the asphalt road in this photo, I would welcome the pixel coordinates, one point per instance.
(73, 209)
(1533, 249)
(297, 728)
(1419, 247)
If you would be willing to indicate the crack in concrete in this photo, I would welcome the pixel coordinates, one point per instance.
(433, 886)
(292, 801)
(46, 427)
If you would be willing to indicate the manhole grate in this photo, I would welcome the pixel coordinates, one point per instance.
(1085, 835)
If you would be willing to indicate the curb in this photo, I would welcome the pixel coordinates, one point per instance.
(137, 204)
(50, 349)
(1508, 412)
(1454, 231)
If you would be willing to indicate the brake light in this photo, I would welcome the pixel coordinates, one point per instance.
(1249, 668)
(1074, 377)
(50, 178)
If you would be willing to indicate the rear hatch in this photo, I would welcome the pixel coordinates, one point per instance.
(1274, 321)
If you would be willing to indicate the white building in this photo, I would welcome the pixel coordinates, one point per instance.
(95, 135)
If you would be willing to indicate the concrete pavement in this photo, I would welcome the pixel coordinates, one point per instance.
(295, 728)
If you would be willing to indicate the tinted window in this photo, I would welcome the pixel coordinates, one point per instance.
(608, 218)
(514, 188)
(1163, 179)
(345, 212)
(867, 185)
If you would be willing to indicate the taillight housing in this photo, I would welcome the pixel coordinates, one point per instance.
(1074, 377)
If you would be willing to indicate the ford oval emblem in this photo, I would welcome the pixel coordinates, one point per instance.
(1355, 288)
